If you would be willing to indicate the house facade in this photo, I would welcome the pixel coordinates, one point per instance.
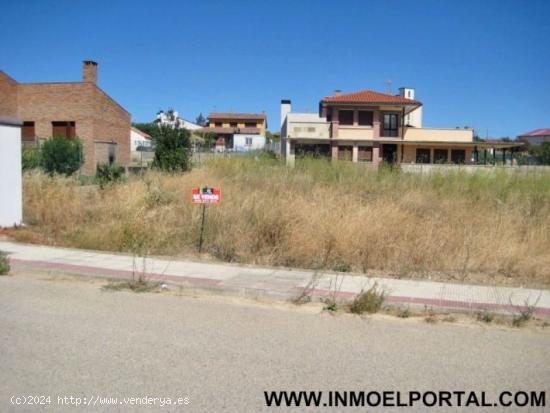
(237, 131)
(536, 137)
(372, 127)
(70, 110)
(139, 139)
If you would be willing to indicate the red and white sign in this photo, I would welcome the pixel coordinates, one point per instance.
(206, 195)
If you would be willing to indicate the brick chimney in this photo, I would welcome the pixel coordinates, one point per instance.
(89, 71)
(337, 92)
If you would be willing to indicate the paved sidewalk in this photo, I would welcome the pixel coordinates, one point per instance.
(275, 283)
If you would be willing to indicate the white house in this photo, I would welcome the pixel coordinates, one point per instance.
(11, 204)
(247, 142)
(139, 139)
(173, 119)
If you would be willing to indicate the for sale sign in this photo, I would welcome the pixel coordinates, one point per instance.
(206, 195)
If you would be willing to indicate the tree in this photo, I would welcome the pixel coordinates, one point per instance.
(272, 137)
(62, 156)
(208, 137)
(542, 152)
(172, 149)
(200, 120)
(148, 128)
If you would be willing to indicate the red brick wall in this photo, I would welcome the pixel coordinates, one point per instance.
(113, 124)
(8, 95)
(97, 116)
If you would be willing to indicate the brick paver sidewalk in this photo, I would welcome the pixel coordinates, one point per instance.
(276, 283)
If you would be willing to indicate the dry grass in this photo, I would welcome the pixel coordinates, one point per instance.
(316, 215)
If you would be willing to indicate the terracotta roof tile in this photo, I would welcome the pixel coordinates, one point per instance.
(232, 115)
(537, 132)
(370, 96)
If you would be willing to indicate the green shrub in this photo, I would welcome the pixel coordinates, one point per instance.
(342, 267)
(542, 152)
(268, 155)
(4, 263)
(172, 149)
(30, 159)
(109, 173)
(369, 301)
(61, 156)
(404, 312)
(485, 316)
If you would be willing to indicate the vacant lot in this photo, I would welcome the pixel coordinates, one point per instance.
(482, 227)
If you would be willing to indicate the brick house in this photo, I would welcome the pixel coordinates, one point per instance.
(71, 110)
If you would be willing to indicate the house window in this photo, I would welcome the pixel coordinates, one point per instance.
(440, 156)
(218, 124)
(345, 117)
(64, 130)
(365, 118)
(250, 124)
(27, 131)
(390, 125)
(364, 154)
(345, 153)
(458, 156)
(422, 155)
(248, 141)
(233, 124)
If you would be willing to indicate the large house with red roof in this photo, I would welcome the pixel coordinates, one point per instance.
(536, 137)
(372, 127)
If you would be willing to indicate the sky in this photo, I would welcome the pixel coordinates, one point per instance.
(482, 64)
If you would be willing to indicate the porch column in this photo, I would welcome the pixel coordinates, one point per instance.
(431, 155)
(375, 154)
(376, 124)
(504, 156)
(449, 159)
(334, 151)
(485, 157)
(355, 153)
(355, 117)
(334, 129)
(290, 152)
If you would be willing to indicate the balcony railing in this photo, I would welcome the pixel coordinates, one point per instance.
(439, 134)
(356, 133)
(309, 130)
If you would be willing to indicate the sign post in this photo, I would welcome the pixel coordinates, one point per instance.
(202, 227)
(204, 196)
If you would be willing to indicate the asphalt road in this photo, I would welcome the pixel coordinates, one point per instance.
(70, 338)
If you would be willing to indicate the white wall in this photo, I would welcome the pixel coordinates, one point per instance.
(137, 140)
(414, 118)
(11, 208)
(239, 142)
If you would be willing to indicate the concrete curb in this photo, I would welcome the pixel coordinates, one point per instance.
(218, 286)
